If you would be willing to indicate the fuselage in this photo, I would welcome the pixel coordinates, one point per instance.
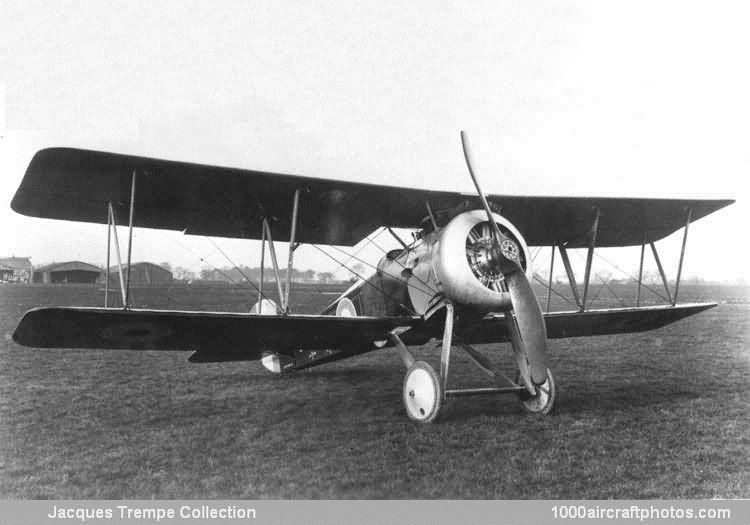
(455, 262)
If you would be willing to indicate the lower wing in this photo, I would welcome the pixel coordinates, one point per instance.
(216, 336)
(221, 335)
(591, 322)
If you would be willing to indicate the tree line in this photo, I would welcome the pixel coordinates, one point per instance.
(239, 274)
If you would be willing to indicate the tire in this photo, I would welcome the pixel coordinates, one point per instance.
(544, 400)
(422, 394)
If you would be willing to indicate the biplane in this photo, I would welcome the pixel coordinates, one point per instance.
(462, 280)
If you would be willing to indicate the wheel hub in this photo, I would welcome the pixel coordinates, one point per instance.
(421, 392)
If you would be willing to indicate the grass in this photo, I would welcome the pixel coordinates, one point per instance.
(663, 414)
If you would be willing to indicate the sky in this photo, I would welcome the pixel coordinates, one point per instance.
(643, 99)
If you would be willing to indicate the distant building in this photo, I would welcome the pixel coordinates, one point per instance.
(6, 272)
(142, 273)
(16, 270)
(67, 272)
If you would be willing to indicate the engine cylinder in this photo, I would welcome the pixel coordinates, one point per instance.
(462, 261)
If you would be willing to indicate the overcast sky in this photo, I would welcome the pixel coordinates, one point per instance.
(564, 98)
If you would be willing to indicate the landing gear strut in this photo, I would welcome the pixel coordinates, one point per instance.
(425, 390)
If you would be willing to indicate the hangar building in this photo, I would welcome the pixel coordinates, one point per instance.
(15, 270)
(141, 273)
(68, 272)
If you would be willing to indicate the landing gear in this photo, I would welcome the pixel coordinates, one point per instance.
(425, 390)
(543, 401)
(277, 363)
(422, 394)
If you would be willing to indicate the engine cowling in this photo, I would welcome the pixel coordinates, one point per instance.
(459, 261)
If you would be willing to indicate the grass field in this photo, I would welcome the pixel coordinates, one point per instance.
(664, 414)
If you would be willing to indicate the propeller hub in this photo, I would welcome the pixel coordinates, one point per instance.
(491, 258)
(509, 250)
(506, 255)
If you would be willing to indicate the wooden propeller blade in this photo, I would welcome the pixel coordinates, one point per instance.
(532, 331)
(467, 156)
(529, 322)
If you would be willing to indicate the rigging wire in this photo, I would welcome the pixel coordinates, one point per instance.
(430, 289)
(213, 267)
(367, 263)
(605, 284)
(204, 260)
(611, 291)
(655, 292)
(533, 257)
(598, 293)
(368, 239)
(235, 266)
(366, 281)
(540, 281)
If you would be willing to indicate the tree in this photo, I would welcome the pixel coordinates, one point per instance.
(183, 274)
(358, 270)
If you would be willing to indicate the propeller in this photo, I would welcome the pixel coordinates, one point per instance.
(528, 331)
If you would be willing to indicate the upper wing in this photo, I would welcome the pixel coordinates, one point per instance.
(74, 184)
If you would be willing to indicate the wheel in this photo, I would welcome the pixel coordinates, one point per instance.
(544, 400)
(346, 308)
(265, 307)
(422, 395)
(276, 363)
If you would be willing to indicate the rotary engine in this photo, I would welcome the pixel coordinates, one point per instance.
(464, 265)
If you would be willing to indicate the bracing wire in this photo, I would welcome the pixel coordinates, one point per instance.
(598, 293)
(634, 278)
(343, 265)
(358, 250)
(606, 285)
(216, 269)
(206, 261)
(611, 291)
(236, 267)
(430, 289)
(534, 256)
(367, 263)
(537, 279)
